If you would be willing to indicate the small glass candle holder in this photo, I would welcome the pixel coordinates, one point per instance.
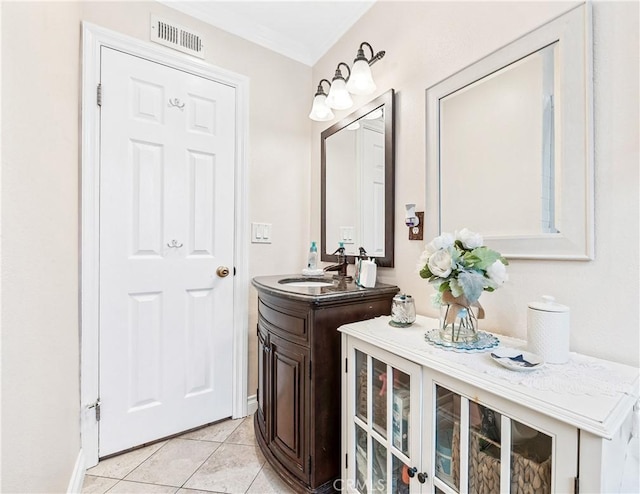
(403, 311)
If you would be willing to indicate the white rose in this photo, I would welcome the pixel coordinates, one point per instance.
(443, 241)
(497, 273)
(424, 258)
(469, 239)
(440, 263)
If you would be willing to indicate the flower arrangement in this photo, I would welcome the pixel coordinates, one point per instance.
(462, 265)
(461, 268)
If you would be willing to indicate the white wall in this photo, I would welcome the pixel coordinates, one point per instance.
(437, 39)
(40, 197)
(40, 420)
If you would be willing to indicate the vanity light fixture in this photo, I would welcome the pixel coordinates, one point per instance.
(361, 80)
(339, 97)
(320, 111)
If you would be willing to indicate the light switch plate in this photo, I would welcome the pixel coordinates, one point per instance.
(347, 234)
(260, 233)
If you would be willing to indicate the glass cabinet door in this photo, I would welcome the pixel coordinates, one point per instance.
(447, 433)
(383, 424)
(480, 451)
(531, 459)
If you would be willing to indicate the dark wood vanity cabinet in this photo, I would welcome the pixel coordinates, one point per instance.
(299, 369)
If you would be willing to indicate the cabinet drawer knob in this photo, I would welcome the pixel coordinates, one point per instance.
(412, 471)
(422, 477)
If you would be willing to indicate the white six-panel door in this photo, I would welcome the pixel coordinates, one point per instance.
(166, 224)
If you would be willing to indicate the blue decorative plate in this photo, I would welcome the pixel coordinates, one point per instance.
(485, 342)
(516, 359)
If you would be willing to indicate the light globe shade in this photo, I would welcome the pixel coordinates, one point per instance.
(339, 98)
(320, 111)
(361, 80)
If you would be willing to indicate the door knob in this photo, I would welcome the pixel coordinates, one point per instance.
(222, 271)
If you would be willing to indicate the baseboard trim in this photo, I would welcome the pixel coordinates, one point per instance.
(77, 477)
(252, 404)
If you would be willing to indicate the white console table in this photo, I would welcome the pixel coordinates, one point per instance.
(418, 418)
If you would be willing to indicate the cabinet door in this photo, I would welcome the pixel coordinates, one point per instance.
(289, 429)
(478, 448)
(382, 422)
(264, 375)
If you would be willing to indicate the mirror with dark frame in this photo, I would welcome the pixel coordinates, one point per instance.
(357, 183)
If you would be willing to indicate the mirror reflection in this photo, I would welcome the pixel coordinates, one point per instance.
(357, 183)
(500, 130)
(356, 202)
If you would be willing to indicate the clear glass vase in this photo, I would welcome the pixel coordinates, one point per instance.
(458, 324)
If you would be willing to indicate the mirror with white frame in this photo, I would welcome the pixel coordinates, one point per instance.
(509, 145)
(357, 182)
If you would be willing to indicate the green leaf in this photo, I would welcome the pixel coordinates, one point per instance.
(471, 283)
(481, 258)
(455, 255)
(425, 272)
(444, 287)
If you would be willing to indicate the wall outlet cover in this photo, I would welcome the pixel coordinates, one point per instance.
(417, 232)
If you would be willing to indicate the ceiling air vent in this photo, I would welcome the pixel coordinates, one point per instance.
(175, 36)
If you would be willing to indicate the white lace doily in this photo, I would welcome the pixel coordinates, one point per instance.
(580, 376)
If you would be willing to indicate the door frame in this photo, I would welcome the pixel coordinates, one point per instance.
(93, 39)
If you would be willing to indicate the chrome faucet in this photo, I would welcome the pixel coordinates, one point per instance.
(341, 267)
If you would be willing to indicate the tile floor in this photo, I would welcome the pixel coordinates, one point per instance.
(223, 457)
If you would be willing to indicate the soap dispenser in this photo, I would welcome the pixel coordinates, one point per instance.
(312, 262)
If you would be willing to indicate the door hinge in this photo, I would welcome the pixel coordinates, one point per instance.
(576, 485)
(96, 406)
(234, 271)
(310, 364)
(346, 460)
(309, 464)
(99, 94)
(346, 365)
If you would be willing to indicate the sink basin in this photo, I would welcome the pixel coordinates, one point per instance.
(305, 283)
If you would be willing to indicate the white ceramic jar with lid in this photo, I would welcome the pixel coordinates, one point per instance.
(548, 330)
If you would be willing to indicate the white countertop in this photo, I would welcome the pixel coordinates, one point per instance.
(592, 394)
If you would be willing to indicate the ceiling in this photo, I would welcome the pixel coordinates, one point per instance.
(299, 29)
